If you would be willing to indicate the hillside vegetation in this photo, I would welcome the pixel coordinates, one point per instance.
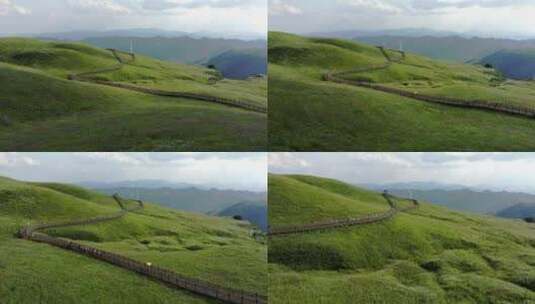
(220, 251)
(37, 95)
(426, 255)
(308, 113)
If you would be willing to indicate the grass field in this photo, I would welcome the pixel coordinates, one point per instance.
(213, 249)
(428, 255)
(308, 114)
(36, 96)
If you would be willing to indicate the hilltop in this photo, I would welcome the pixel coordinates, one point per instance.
(217, 250)
(120, 104)
(309, 113)
(425, 255)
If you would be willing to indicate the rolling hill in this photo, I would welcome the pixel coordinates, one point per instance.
(211, 249)
(333, 95)
(426, 255)
(62, 96)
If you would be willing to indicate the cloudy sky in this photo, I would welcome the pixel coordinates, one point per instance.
(38, 16)
(494, 171)
(491, 17)
(240, 171)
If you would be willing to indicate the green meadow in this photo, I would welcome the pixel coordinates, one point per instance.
(427, 255)
(310, 114)
(44, 111)
(217, 250)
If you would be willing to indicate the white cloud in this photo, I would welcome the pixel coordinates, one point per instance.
(8, 7)
(12, 159)
(241, 171)
(286, 159)
(376, 5)
(497, 171)
(99, 6)
(278, 7)
(171, 4)
(118, 157)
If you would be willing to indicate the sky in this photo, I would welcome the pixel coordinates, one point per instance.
(238, 171)
(38, 16)
(497, 18)
(493, 171)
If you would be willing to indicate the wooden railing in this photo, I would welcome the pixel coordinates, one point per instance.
(346, 222)
(337, 77)
(169, 277)
(87, 77)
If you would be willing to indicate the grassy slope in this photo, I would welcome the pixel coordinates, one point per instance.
(214, 249)
(35, 95)
(429, 255)
(309, 114)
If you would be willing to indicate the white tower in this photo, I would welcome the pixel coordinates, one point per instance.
(132, 46)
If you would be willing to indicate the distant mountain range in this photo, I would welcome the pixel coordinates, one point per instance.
(240, 64)
(486, 202)
(250, 211)
(514, 64)
(453, 48)
(413, 185)
(180, 49)
(145, 183)
(474, 199)
(143, 32)
(192, 199)
(408, 32)
(518, 211)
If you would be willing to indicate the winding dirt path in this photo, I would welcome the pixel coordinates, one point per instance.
(86, 77)
(347, 222)
(338, 77)
(168, 277)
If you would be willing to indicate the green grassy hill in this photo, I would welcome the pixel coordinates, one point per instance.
(427, 255)
(308, 113)
(37, 96)
(213, 249)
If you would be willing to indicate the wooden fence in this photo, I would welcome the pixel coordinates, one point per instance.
(171, 278)
(472, 104)
(346, 222)
(86, 77)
